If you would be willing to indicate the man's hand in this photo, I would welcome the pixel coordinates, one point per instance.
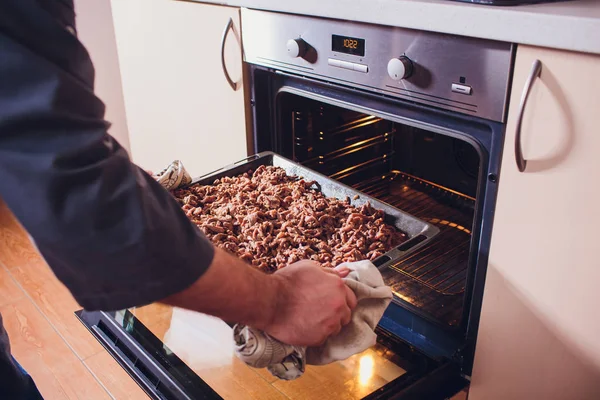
(311, 305)
(301, 304)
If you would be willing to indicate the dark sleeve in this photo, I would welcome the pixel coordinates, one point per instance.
(109, 232)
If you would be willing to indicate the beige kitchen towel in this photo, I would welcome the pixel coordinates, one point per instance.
(174, 176)
(259, 350)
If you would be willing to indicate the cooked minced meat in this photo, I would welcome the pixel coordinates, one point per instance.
(271, 219)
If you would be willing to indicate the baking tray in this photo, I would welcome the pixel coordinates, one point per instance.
(419, 232)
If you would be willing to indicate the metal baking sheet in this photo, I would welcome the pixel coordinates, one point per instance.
(419, 232)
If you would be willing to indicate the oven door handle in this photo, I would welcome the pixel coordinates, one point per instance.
(536, 71)
(228, 27)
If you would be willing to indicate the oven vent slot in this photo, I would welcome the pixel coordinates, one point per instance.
(411, 243)
(381, 260)
(125, 355)
(438, 101)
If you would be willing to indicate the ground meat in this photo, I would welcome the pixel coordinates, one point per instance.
(271, 219)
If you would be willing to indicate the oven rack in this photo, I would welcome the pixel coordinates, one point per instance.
(442, 264)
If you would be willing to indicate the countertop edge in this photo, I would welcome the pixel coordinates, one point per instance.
(519, 25)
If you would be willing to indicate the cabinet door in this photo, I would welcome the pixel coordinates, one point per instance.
(95, 30)
(539, 335)
(178, 103)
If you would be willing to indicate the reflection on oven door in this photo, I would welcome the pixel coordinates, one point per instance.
(205, 344)
(191, 331)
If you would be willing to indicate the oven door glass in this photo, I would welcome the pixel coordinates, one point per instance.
(176, 353)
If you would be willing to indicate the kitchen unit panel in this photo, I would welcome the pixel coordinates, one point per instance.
(178, 101)
(539, 330)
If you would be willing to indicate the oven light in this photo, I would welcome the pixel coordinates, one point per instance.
(365, 372)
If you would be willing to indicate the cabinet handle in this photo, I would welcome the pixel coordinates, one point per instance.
(228, 27)
(536, 70)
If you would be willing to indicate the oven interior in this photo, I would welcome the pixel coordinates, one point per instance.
(429, 175)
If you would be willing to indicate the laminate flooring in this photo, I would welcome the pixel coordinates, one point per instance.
(63, 358)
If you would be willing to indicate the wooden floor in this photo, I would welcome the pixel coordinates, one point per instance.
(63, 358)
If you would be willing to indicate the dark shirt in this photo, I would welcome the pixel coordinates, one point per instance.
(107, 229)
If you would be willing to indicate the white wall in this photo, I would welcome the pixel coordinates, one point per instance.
(96, 31)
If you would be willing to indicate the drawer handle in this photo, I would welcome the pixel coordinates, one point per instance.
(228, 27)
(536, 70)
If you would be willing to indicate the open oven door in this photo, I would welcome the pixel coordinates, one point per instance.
(174, 353)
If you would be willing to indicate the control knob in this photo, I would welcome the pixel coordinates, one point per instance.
(400, 68)
(297, 47)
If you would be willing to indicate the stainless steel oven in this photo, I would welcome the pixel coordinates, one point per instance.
(414, 119)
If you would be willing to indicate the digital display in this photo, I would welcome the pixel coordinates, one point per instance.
(348, 45)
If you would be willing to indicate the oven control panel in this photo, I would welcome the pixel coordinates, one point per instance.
(456, 73)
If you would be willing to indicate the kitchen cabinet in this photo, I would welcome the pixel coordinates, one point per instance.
(96, 31)
(539, 334)
(178, 102)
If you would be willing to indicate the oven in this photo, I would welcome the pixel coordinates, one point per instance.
(413, 119)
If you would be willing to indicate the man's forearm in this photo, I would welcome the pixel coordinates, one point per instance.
(301, 304)
(227, 281)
